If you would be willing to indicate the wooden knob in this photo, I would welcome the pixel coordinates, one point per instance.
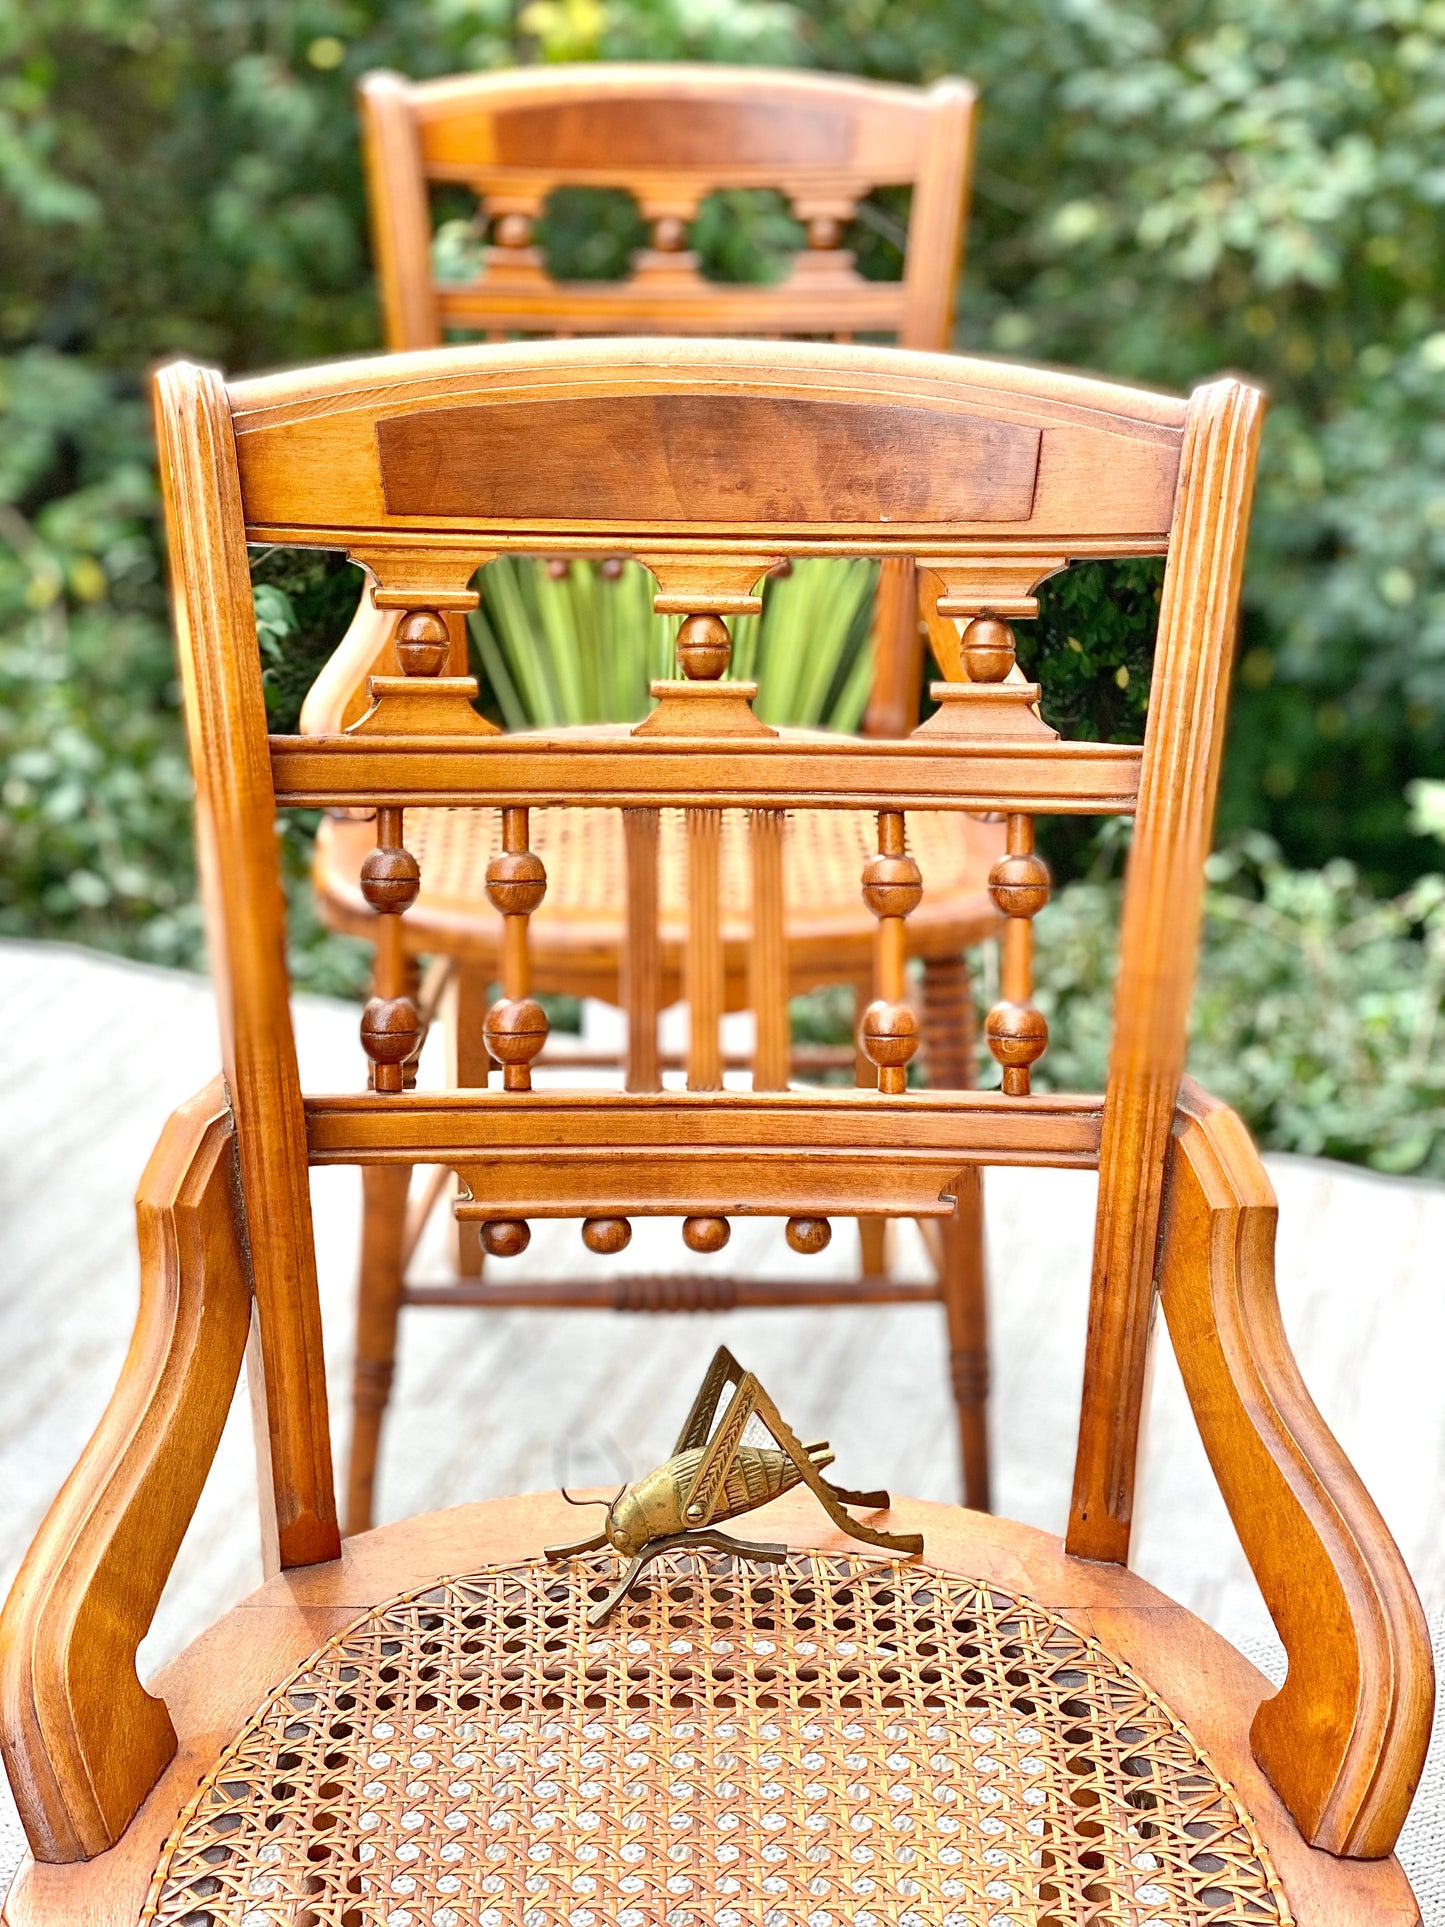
(505, 1237)
(1019, 885)
(390, 879)
(888, 1033)
(704, 647)
(892, 885)
(988, 649)
(824, 231)
(809, 1234)
(516, 882)
(605, 1235)
(889, 1037)
(1017, 1035)
(390, 1028)
(514, 231)
(559, 567)
(610, 568)
(515, 1029)
(423, 643)
(705, 1234)
(669, 234)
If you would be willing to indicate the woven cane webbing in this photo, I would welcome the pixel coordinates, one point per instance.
(582, 849)
(836, 1741)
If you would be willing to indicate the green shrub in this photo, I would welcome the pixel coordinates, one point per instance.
(1318, 1013)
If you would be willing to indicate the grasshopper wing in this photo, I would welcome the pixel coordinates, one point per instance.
(700, 1500)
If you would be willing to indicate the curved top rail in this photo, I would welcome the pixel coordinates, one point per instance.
(794, 445)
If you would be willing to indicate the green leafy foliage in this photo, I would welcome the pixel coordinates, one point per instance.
(1318, 1013)
(569, 644)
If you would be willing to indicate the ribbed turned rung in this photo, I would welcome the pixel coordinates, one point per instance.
(767, 956)
(703, 957)
(640, 987)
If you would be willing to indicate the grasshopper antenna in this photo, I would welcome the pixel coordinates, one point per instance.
(611, 1450)
(607, 1502)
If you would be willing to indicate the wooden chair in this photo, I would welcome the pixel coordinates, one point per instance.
(1004, 1726)
(671, 135)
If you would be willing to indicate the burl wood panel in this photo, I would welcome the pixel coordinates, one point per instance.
(706, 458)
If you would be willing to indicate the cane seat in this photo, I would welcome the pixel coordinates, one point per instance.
(830, 933)
(716, 1752)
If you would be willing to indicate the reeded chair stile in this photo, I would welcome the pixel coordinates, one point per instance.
(443, 1723)
(611, 921)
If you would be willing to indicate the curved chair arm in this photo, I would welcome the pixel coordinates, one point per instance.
(83, 1741)
(1344, 1739)
(339, 695)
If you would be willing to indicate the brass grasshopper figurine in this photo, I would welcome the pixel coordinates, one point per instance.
(713, 1476)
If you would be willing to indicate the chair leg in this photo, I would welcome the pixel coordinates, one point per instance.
(378, 1301)
(950, 1034)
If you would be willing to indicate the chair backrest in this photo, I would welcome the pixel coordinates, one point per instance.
(670, 135)
(709, 462)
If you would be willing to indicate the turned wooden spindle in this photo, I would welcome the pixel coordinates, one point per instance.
(768, 954)
(640, 959)
(825, 231)
(704, 649)
(892, 888)
(516, 1025)
(390, 1024)
(1017, 1032)
(702, 962)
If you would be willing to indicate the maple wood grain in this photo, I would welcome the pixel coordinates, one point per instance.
(1344, 1739)
(83, 1740)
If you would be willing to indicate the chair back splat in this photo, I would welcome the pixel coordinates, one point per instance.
(710, 463)
(670, 135)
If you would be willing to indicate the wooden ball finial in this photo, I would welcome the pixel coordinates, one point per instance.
(390, 1032)
(516, 882)
(1019, 884)
(505, 1237)
(705, 1234)
(988, 649)
(808, 1235)
(390, 879)
(888, 1035)
(515, 1029)
(892, 885)
(1018, 1035)
(606, 1235)
(423, 643)
(704, 648)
